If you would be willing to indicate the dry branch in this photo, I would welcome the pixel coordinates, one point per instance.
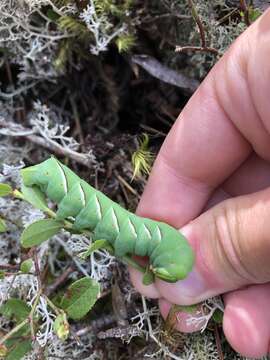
(15, 130)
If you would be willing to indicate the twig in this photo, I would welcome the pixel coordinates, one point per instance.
(9, 267)
(18, 274)
(18, 91)
(54, 307)
(124, 192)
(203, 47)
(59, 281)
(97, 324)
(77, 122)
(218, 343)
(162, 16)
(153, 131)
(12, 129)
(13, 331)
(31, 315)
(37, 269)
(244, 8)
(123, 181)
(197, 49)
(70, 254)
(227, 16)
(198, 22)
(12, 283)
(9, 74)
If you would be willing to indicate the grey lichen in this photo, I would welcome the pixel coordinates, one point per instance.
(68, 81)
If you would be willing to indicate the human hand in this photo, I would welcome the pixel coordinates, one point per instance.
(218, 152)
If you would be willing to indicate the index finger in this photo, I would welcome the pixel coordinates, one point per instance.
(212, 136)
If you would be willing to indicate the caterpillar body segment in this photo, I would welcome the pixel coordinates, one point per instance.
(171, 258)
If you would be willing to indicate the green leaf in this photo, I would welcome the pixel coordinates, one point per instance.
(148, 277)
(15, 308)
(35, 197)
(19, 350)
(98, 244)
(5, 190)
(2, 274)
(26, 266)
(80, 297)
(61, 326)
(40, 231)
(3, 226)
(218, 316)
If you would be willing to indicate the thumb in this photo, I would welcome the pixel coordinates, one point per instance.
(232, 246)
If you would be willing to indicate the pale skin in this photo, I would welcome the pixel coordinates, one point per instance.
(217, 157)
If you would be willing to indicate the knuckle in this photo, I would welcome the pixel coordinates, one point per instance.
(230, 247)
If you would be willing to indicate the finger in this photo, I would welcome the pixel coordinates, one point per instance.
(246, 321)
(232, 245)
(207, 142)
(217, 197)
(184, 321)
(253, 175)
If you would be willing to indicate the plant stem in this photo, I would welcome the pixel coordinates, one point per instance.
(17, 194)
(245, 9)
(198, 22)
(31, 315)
(54, 307)
(28, 320)
(37, 269)
(14, 330)
(197, 49)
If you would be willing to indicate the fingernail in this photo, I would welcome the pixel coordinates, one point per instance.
(193, 285)
(192, 288)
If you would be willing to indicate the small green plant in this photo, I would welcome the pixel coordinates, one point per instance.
(253, 14)
(142, 158)
(125, 42)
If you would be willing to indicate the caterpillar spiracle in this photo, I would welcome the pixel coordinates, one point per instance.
(170, 256)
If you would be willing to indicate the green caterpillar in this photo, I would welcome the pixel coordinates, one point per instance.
(170, 256)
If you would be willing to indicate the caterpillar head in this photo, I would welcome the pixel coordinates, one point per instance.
(173, 258)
